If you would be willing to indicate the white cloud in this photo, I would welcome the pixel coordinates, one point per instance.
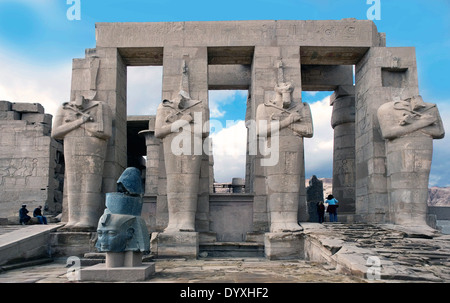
(144, 90)
(218, 98)
(34, 82)
(229, 145)
(440, 174)
(319, 149)
(229, 149)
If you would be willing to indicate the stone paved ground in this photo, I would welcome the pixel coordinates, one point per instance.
(404, 255)
(252, 270)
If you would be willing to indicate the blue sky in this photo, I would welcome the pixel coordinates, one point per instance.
(38, 43)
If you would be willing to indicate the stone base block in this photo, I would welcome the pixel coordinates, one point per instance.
(72, 243)
(102, 273)
(173, 245)
(284, 246)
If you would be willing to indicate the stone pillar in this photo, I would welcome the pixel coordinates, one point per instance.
(264, 79)
(152, 175)
(152, 164)
(195, 61)
(343, 123)
(108, 83)
(382, 75)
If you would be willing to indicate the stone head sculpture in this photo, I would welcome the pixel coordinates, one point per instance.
(121, 227)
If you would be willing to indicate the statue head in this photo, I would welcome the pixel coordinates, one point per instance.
(283, 97)
(121, 227)
(115, 232)
(417, 103)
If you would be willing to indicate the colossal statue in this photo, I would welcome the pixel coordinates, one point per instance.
(179, 123)
(286, 122)
(409, 127)
(85, 126)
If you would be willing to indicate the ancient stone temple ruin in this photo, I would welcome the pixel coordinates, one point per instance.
(379, 122)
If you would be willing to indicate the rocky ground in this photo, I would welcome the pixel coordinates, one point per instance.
(391, 253)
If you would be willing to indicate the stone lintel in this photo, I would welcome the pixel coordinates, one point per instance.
(333, 33)
(326, 77)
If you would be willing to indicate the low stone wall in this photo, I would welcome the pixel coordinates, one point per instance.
(441, 212)
(31, 162)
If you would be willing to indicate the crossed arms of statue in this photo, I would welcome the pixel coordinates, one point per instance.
(170, 120)
(400, 118)
(96, 119)
(298, 119)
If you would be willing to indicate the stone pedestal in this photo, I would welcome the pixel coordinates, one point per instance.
(284, 246)
(177, 244)
(101, 272)
(119, 267)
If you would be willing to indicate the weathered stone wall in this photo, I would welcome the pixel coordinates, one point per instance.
(31, 162)
(382, 75)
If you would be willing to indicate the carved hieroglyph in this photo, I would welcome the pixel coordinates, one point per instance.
(288, 123)
(409, 127)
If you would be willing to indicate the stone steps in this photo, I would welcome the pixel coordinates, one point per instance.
(231, 249)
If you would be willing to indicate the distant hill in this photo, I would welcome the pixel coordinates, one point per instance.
(438, 196)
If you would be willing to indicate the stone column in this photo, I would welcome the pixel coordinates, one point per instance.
(343, 123)
(108, 83)
(185, 68)
(152, 164)
(382, 75)
(264, 79)
(152, 175)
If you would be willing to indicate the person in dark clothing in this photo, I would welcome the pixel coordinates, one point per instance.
(23, 217)
(321, 211)
(38, 214)
(332, 207)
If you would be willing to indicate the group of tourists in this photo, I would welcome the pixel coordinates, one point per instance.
(24, 218)
(330, 206)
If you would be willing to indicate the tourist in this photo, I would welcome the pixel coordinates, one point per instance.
(321, 211)
(38, 214)
(23, 217)
(332, 207)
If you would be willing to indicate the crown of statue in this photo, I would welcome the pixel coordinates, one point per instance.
(128, 198)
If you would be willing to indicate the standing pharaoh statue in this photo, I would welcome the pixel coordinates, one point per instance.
(284, 123)
(179, 125)
(409, 127)
(85, 126)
